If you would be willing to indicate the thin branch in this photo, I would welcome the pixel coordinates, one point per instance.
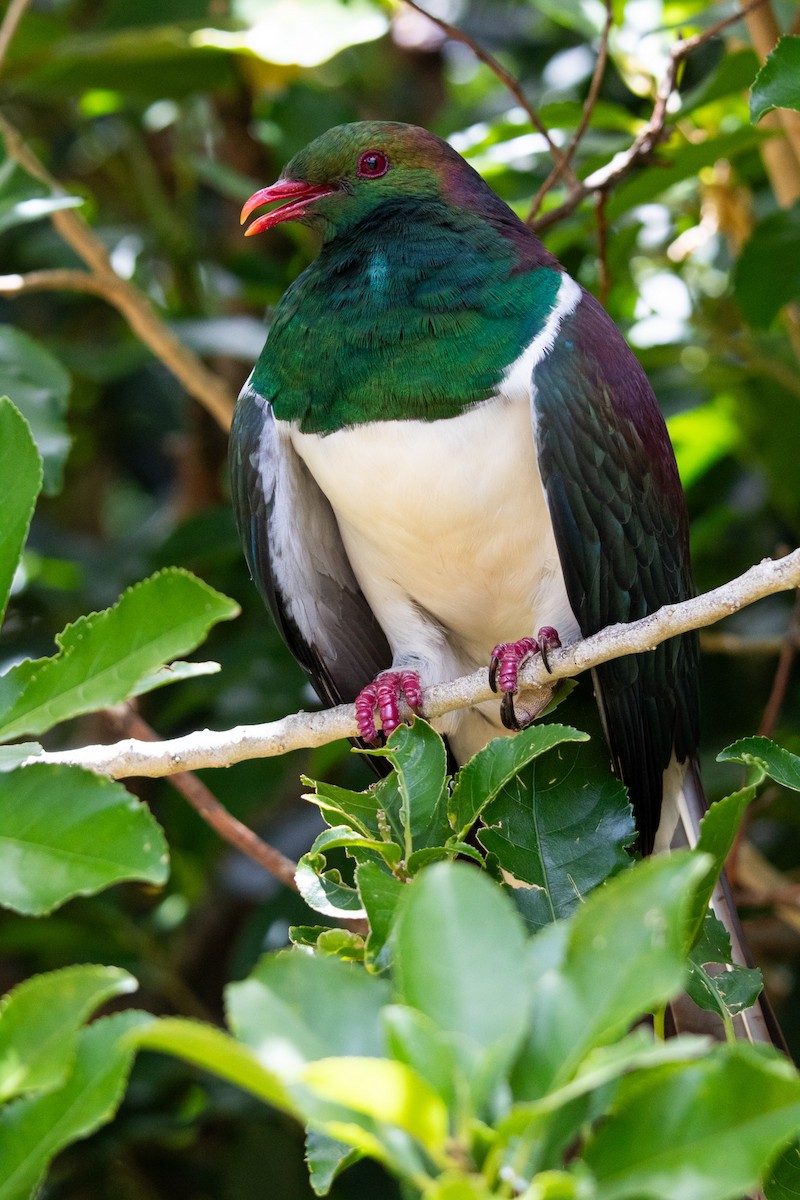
(205, 803)
(782, 673)
(207, 387)
(505, 77)
(650, 135)
(586, 116)
(11, 20)
(304, 730)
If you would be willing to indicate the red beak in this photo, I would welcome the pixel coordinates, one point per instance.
(299, 195)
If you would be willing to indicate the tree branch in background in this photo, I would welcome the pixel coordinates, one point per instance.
(506, 78)
(8, 28)
(588, 107)
(130, 724)
(650, 135)
(783, 671)
(206, 748)
(208, 388)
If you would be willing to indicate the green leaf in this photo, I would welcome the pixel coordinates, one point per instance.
(768, 759)
(460, 959)
(380, 894)
(35, 1128)
(726, 989)
(39, 387)
(207, 1047)
(777, 84)
(702, 1131)
(767, 272)
(419, 758)
(295, 1008)
(717, 832)
(40, 1021)
(561, 826)
(105, 657)
(480, 780)
(324, 890)
(388, 1092)
(14, 756)
(20, 481)
(782, 1181)
(621, 955)
(414, 1039)
(327, 1158)
(66, 832)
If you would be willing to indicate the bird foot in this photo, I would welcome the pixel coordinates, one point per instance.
(384, 694)
(504, 667)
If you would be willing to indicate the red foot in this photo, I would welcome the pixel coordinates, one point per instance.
(384, 693)
(505, 663)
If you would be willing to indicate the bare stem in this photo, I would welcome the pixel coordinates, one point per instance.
(8, 28)
(207, 387)
(505, 77)
(206, 748)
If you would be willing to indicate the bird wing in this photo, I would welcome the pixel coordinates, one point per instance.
(297, 560)
(621, 529)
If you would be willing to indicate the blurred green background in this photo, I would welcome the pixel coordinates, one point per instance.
(163, 117)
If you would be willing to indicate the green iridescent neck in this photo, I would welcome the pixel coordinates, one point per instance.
(410, 315)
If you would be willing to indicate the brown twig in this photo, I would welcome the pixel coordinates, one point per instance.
(649, 136)
(207, 387)
(130, 724)
(783, 672)
(586, 116)
(11, 20)
(505, 77)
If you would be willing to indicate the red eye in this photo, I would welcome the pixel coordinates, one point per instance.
(372, 164)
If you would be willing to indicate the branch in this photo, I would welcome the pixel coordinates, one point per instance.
(650, 135)
(207, 806)
(586, 116)
(208, 388)
(11, 20)
(207, 748)
(506, 78)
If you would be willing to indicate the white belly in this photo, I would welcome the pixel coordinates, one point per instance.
(446, 526)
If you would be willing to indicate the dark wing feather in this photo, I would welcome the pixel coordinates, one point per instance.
(296, 557)
(622, 533)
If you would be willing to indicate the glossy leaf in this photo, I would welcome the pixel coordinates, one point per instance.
(107, 656)
(39, 387)
(20, 481)
(207, 1047)
(419, 758)
(480, 780)
(561, 826)
(724, 988)
(717, 832)
(782, 1181)
(67, 832)
(703, 1132)
(768, 759)
(777, 84)
(621, 955)
(296, 1008)
(40, 1021)
(460, 959)
(35, 1128)
(380, 894)
(326, 1158)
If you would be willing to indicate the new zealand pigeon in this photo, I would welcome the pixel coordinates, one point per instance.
(445, 446)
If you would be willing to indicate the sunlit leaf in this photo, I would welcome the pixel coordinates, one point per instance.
(20, 481)
(777, 84)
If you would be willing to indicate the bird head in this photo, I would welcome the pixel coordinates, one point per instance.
(350, 170)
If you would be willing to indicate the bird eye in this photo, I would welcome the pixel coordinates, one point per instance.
(372, 164)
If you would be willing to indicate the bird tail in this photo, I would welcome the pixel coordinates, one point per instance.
(758, 1023)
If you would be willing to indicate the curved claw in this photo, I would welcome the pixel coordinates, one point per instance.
(548, 640)
(505, 663)
(384, 694)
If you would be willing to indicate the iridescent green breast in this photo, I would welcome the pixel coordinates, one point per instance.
(408, 316)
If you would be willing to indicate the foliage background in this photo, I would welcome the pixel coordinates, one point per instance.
(164, 118)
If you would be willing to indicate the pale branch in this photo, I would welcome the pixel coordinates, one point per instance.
(207, 806)
(650, 135)
(206, 748)
(506, 78)
(208, 388)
